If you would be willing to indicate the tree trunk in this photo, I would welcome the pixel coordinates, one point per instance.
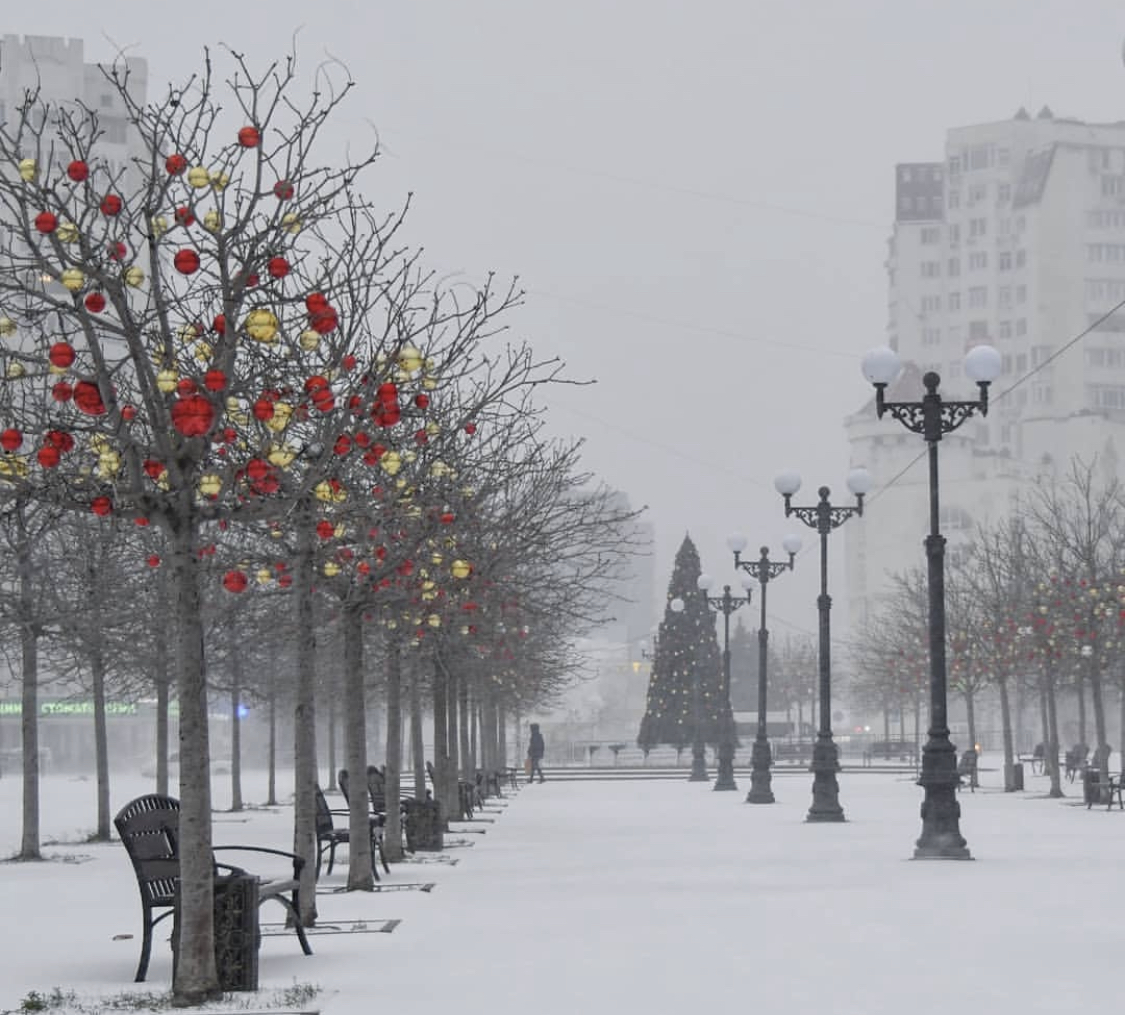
(476, 759)
(1098, 699)
(468, 762)
(887, 731)
(162, 659)
(1121, 723)
(236, 732)
(330, 729)
(271, 788)
(360, 860)
(1080, 690)
(101, 737)
(441, 749)
(195, 979)
(453, 772)
(392, 834)
(1006, 727)
(1052, 729)
(971, 714)
(501, 760)
(304, 719)
(29, 693)
(417, 737)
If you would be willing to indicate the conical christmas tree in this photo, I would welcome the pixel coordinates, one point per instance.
(687, 649)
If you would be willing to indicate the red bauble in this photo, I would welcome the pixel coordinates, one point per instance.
(324, 401)
(193, 415)
(470, 428)
(285, 581)
(175, 164)
(111, 205)
(251, 280)
(219, 324)
(88, 399)
(60, 440)
(249, 137)
(46, 222)
(153, 468)
(422, 400)
(235, 581)
(101, 506)
(214, 380)
(48, 457)
(61, 355)
(325, 529)
(128, 413)
(117, 251)
(278, 267)
(154, 561)
(386, 415)
(95, 303)
(388, 393)
(315, 383)
(315, 302)
(186, 261)
(263, 409)
(257, 469)
(343, 445)
(78, 170)
(447, 518)
(421, 437)
(283, 190)
(62, 391)
(324, 321)
(11, 439)
(184, 216)
(348, 362)
(186, 386)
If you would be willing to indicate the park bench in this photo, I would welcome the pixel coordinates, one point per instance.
(377, 817)
(149, 827)
(1095, 790)
(328, 836)
(904, 750)
(797, 751)
(967, 769)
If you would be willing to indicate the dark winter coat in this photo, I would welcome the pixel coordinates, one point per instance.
(536, 747)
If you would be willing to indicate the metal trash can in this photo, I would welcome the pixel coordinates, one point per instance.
(424, 826)
(1017, 777)
(1091, 785)
(237, 936)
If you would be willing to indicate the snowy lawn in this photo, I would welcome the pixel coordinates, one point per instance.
(654, 897)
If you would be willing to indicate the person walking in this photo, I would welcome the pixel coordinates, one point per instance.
(535, 751)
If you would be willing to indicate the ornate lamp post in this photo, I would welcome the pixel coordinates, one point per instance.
(725, 604)
(933, 417)
(763, 571)
(823, 517)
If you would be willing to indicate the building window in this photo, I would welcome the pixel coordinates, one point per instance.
(1003, 157)
(1021, 223)
(931, 234)
(1021, 294)
(1004, 329)
(1021, 363)
(954, 165)
(1021, 326)
(1004, 260)
(978, 227)
(1021, 258)
(931, 336)
(953, 198)
(1104, 396)
(955, 301)
(1040, 354)
(954, 234)
(1113, 186)
(980, 156)
(978, 331)
(1004, 297)
(931, 304)
(977, 192)
(1041, 394)
(978, 260)
(931, 269)
(954, 267)
(978, 297)
(1003, 193)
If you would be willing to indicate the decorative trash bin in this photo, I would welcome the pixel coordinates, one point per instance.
(1091, 785)
(236, 931)
(423, 825)
(1017, 776)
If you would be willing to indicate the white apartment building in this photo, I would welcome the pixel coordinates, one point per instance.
(1015, 239)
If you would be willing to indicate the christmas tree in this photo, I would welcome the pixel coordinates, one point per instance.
(687, 649)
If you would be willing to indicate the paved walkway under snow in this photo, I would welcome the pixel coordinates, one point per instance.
(661, 897)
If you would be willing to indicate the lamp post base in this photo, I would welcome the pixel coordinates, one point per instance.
(941, 837)
(724, 778)
(698, 765)
(760, 778)
(825, 789)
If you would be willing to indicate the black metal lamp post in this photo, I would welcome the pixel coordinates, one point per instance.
(933, 417)
(824, 517)
(725, 604)
(763, 571)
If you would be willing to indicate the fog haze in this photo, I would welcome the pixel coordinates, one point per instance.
(696, 196)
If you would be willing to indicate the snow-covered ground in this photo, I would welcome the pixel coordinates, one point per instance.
(654, 897)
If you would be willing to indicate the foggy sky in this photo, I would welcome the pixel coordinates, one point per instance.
(696, 194)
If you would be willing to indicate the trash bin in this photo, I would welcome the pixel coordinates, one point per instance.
(1091, 785)
(1017, 777)
(236, 931)
(423, 825)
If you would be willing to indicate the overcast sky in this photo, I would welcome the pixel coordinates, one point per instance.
(695, 193)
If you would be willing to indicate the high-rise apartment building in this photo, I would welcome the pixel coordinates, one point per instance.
(1016, 238)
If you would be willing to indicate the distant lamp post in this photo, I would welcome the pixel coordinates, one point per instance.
(725, 604)
(824, 517)
(933, 417)
(763, 571)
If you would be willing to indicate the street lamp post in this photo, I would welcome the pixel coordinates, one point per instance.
(698, 744)
(763, 570)
(824, 517)
(933, 417)
(725, 604)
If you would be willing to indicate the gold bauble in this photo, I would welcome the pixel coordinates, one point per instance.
(7, 327)
(429, 383)
(159, 225)
(67, 232)
(210, 485)
(13, 466)
(29, 169)
(73, 279)
(460, 569)
(212, 221)
(109, 464)
(323, 491)
(391, 462)
(198, 177)
(134, 276)
(309, 340)
(281, 455)
(261, 325)
(331, 568)
(291, 223)
(15, 370)
(264, 576)
(166, 381)
(432, 429)
(219, 180)
(433, 620)
(203, 352)
(282, 412)
(339, 495)
(409, 359)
